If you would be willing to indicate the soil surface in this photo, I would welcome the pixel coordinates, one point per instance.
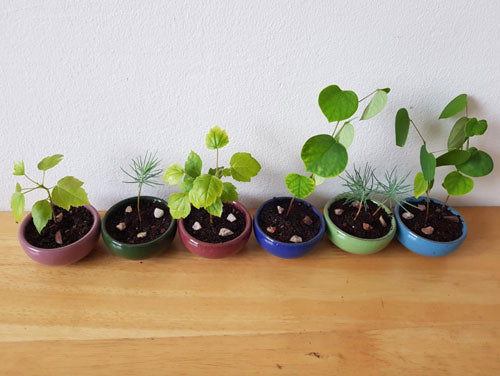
(287, 226)
(209, 232)
(346, 222)
(445, 230)
(154, 227)
(74, 225)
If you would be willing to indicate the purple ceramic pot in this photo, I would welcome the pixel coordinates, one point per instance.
(217, 250)
(64, 255)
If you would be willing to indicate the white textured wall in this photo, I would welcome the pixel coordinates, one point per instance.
(103, 81)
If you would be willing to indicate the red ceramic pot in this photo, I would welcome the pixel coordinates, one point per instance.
(217, 250)
(64, 255)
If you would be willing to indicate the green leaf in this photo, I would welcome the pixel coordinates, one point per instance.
(18, 187)
(457, 135)
(17, 203)
(206, 189)
(174, 174)
(402, 126)
(457, 105)
(318, 180)
(215, 208)
(346, 135)
(337, 104)
(179, 205)
(420, 185)
(244, 166)
(387, 90)
(453, 157)
(49, 162)
(41, 213)
(18, 168)
(217, 138)
(376, 105)
(457, 184)
(475, 127)
(479, 164)
(187, 184)
(300, 186)
(228, 192)
(193, 165)
(69, 192)
(427, 163)
(324, 156)
(226, 172)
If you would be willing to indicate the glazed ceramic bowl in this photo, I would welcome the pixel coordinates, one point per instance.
(286, 250)
(137, 251)
(218, 250)
(354, 244)
(63, 255)
(423, 246)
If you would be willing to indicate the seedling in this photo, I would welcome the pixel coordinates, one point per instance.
(66, 193)
(208, 191)
(467, 161)
(360, 187)
(143, 170)
(392, 190)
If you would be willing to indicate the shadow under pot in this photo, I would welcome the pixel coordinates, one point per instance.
(137, 239)
(369, 233)
(64, 242)
(216, 237)
(288, 236)
(445, 227)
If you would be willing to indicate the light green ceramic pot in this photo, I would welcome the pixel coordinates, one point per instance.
(351, 243)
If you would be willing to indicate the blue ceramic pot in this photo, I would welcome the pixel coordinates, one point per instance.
(286, 250)
(421, 245)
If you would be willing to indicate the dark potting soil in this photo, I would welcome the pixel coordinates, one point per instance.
(74, 225)
(445, 230)
(346, 222)
(154, 227)
(287, 226)
(209, 232)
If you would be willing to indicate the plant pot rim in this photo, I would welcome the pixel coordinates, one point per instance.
(248, 224)
(311, 241)
(33, 248)
(138, 245)
(462, 221)
(390, 234)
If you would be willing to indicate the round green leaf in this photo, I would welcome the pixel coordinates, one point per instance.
(479, 164)
(457, 105)
(41, 213)
(174, 174)
(457, 135)
(206, 189)
(453, 157)
(244, 166)
(17, 203)
(402, 126)
(49, 162)
(337, 104)
(475, 127)
(228, 192)
(457, 184)
(217, 138)
(427, 163)
(346, 135)
(68, 192)
(420, 185)
(215, 208)
(18, 168)
(179, 205)
(324, 156)
(193, 165)
(376, 105)
(300, 186)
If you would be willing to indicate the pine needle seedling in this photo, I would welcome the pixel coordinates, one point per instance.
(360, 187)
(392, 189)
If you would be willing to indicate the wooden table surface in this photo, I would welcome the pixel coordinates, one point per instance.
(329, 313)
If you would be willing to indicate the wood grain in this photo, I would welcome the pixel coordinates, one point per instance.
(328, 313)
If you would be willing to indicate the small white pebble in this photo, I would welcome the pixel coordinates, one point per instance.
(421, 207)
(296, 239)
(196, 226)
(271, 229)
(307, 220)
(280, 209)
(225, 232)
(382, 221)
(59, 217)
(142, 234)
(158, 213)
(427, 230)
(121, 226)
(231, 217)
(408, 215)
(355, 204)
(58, 237)
(128, 209)
(338, 211)
(452, 218)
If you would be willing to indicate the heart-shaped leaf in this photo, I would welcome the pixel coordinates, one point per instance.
(324, 156)
(337, 104)
(49, 162)
(300, 186)
(346, 135)
(174, 174)
(68, 192)
(479, 164)
(41, 213)
(244, 167)
(475, 127)
(453, 157)
(457, 135)
(206, 189)
(376, 105)
(402, 126)
(216, 138)
(179, 205)
(427, 163)
(457, 184)
(457, 105)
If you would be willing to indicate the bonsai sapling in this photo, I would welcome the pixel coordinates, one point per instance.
(56, 211)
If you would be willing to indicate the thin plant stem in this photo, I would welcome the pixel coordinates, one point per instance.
(427, 209)
(379, 207)
(359, 210)
(211, 219)
(138, 203)
(290, 207)
(216, 164)
(446, 201)
(335, 130)
(420, 134)
(362, 99)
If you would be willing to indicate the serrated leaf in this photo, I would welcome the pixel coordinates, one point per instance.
(226, 172)
(402, 126)
(187, 184)
(41, 213)
(17, 203)
(18, 168)
(318, 180)
(216, 138)
(420, 185)
(376, 105)
(49, 162)
(215, 208)
(479, 164)
(457, 105)
(427, 163)
(457, 135)
(228, 192)
(193, 165)
(179, 205)
(174, 174)
(324, 156)
(453, 157)
(206, 189)
(346, 135)
(300, 186)
(68, 192)
(244, 167)
(457, 184)
(337, 104)
(475, 127)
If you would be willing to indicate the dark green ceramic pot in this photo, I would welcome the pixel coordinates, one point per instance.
(137, 251)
